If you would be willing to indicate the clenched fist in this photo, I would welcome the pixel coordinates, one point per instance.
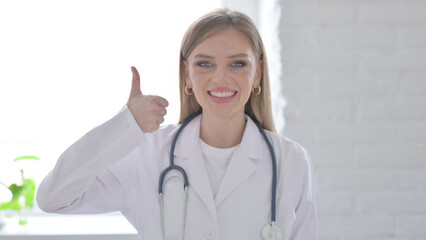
(148, 111)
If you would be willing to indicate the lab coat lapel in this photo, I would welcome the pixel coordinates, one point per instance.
(243, 162)
(189, 156)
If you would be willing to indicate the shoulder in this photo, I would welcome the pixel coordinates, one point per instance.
(291, 156)
(165, 131)
(156, 146)
(161, 137)
(287, 146)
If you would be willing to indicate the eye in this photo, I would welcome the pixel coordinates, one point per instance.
(204, 64)
(238, 64)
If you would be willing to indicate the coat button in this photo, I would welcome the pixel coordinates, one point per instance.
(210, 235)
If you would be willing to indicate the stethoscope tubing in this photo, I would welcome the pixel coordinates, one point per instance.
(274, 170)
(172, 165)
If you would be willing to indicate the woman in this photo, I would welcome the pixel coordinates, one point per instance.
(116, 166)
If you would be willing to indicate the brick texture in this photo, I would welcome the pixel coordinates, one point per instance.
(354, 79)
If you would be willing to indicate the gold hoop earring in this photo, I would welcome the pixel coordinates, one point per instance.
(256, 91)
(188, 90)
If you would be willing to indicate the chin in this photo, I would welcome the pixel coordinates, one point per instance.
(224, 113)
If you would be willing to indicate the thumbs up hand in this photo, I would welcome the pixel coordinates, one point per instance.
(148, 111)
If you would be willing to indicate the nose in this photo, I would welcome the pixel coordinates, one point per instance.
(221, 76)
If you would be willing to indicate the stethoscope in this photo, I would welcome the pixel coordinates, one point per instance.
(271, 231)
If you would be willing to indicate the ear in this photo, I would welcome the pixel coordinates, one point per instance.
(187, 79)
(258, 75)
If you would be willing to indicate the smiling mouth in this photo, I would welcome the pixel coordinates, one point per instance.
(222, 94)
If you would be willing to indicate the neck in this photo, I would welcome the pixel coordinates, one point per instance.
(224, 132)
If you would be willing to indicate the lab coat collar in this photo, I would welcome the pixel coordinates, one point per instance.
(243, 162)
(189, 140)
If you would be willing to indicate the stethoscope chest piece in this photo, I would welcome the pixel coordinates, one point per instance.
(271, 231)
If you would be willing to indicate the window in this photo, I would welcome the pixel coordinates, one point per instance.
(65, 68)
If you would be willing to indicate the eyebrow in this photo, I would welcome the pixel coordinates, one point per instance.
(239, 55)
(200, 55)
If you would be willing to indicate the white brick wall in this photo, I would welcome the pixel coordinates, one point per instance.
(354, 79)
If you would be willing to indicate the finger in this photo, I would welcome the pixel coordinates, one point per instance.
(162, 111)
(136, 83)
(160, 120)
(161, 101)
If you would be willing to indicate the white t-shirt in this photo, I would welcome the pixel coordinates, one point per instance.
(216, 161)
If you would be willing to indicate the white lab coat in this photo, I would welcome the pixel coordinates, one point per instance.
(116, 167)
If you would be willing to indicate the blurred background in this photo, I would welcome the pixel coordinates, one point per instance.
(354, 77)
(348, 82)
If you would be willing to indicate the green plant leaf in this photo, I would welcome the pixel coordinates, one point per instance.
(12, 205)
(16, 191)
(26, 158)
(28, 192)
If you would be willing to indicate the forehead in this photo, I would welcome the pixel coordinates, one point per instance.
(224, 42)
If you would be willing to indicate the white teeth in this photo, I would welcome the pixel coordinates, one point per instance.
(222, 94)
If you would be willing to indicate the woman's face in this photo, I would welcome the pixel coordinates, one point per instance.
(221, 70)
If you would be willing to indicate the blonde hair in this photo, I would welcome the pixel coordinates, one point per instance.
(258, 106)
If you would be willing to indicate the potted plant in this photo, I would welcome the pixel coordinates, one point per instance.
(23, 194)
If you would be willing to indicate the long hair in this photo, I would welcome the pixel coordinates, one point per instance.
(258, 106)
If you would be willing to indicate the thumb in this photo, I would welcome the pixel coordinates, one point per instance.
(136, 83)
